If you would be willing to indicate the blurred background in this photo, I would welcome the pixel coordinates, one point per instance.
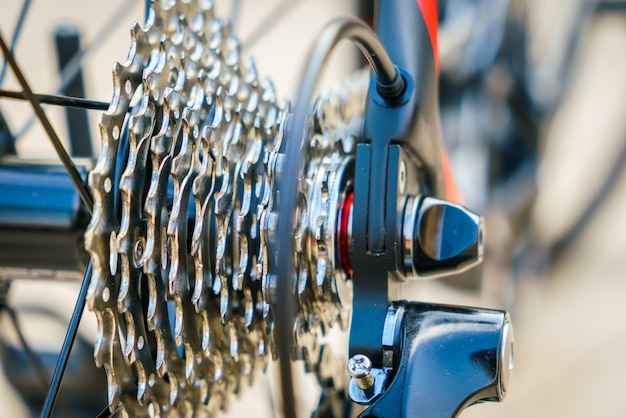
(533, 111)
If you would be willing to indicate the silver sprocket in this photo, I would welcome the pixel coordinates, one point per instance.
(180, 285)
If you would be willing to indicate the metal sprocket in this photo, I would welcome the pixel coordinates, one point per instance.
(180, 240)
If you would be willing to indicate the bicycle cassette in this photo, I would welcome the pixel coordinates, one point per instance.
(186, 209)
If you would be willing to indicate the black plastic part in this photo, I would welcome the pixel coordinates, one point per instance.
(451, 359)
(67, 40)
(370, 269)
(42, 218)
(409, 123)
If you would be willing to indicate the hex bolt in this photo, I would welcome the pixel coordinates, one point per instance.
(360, 368)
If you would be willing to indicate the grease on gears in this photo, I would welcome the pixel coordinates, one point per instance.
(180, 287)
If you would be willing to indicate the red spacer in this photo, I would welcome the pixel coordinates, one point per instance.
(344, 251)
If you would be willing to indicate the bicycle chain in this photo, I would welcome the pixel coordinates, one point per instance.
(180, 285)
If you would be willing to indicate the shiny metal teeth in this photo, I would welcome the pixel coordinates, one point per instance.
(180, 286)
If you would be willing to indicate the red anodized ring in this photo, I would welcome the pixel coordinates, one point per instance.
(344, 228)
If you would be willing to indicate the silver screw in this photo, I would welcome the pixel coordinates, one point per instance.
(360, 368)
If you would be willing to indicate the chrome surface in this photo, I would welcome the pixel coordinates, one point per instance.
(507, 357)
(181, 285)
(411, 215)
(440, 238)
(451, 358)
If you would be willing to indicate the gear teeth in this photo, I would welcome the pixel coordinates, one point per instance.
(181, 285)
(203, 187)
(103, 291)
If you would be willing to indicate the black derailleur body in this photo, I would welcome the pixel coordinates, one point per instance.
(407, 358)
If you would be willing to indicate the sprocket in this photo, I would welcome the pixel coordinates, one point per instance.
(180, 239)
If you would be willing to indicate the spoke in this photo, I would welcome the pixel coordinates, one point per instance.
(73, 66)
(16, 35)
(234, 14)
(106, 413)
(38, 367)
(53, 99)
(78, 181)
(64, 356)
(34, 359)
(280, 11)
(147, 10)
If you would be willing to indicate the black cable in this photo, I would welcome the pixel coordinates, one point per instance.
(388, 76)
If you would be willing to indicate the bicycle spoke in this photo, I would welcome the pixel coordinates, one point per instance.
(147, 10)
(64, 356)
(38, 368)
(35, 361)
(78, 181)
(278, 13)
(16, 35)
(56, 100)
(73, 66)
(10, 147)
(107, 414)
(234, 14)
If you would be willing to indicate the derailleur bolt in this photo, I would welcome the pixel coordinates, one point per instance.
(440, 238)
(360, 368)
